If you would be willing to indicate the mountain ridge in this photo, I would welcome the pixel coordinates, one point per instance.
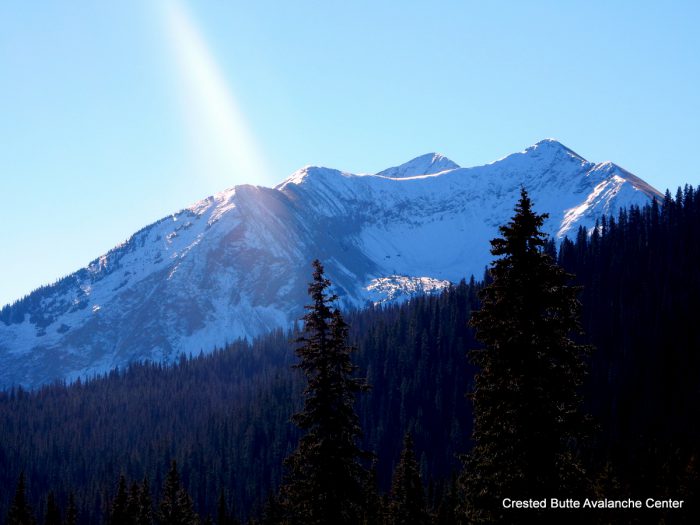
(235, 264)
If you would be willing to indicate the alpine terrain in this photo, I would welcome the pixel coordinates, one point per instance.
(237, 264)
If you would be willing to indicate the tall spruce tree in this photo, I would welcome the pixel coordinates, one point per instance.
(133, 503)
(527, 417)
(225, 515)
(119, 510)
(53, 513)
(176, 506)
(71, 511)
(325, 481)
(145, 504)
(407, 505)
(20, 511)
(447, 509)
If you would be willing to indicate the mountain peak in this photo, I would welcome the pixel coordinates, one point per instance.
(235, 264)
(303, 174)
(427, 164)
(551, 147)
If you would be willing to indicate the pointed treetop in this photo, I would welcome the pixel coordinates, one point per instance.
(523, 232)
(407, 503)
(20, 511)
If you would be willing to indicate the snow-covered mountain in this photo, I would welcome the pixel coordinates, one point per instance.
(237, 264)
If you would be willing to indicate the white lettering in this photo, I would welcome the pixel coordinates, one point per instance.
(652, 503)
(509, 503)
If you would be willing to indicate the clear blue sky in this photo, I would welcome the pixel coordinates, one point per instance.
(114, 114)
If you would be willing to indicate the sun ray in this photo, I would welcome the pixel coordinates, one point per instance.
(222, 143)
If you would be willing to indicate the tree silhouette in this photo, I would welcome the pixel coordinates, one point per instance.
(407, 504)
(119, 510)
(20, 511)
(71, 511)
(325, 480)
(144, 514)
(176, 505)
(53, 513)
(527, 417)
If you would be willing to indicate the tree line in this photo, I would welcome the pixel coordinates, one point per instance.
(231, 432)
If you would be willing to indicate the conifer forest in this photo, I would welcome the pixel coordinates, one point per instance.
(567, 369)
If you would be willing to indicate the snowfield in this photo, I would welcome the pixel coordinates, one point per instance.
(237, 264)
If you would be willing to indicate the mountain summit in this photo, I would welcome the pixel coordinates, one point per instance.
(237, 264)
(427, 164)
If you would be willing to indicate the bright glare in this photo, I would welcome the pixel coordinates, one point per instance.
(223, 146)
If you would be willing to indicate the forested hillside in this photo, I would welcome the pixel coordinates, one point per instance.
(640, 273)
(225, 417)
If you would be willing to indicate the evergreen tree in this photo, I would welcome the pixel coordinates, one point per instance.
(133, 503)
(325, 480)
(53, 513)
(119, 510)
(185, 506)
(71, 511)
(447, 509)
(407, 505)
(145, 505)
(222, 511)
(225, 515)
(527, 418)
(373, 503)
(20, 511)
(176, 505)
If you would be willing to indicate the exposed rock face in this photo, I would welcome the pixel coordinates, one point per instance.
(237, 264)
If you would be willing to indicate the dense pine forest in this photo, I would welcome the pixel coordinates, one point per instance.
(224, 418)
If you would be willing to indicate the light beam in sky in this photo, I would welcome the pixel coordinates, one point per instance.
(223, 146)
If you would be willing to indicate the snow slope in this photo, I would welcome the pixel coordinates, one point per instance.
(237, 264)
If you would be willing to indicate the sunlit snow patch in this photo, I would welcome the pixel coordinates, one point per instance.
(402, 287)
